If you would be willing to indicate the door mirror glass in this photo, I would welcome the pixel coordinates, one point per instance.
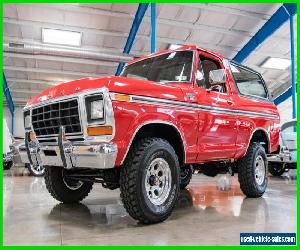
(217, 77)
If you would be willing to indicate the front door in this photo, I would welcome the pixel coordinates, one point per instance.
(217, 123)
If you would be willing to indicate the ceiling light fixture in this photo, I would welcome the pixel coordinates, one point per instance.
(62, 37)
(276, 63)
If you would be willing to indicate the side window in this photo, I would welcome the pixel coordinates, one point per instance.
(200, 76)
(248, 82)
(204, 67)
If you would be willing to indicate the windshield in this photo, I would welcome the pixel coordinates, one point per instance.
(171, 67)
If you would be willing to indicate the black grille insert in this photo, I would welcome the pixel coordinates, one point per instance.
(47, 120)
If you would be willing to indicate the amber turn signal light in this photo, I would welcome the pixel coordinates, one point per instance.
(122, 97)
(100, 130)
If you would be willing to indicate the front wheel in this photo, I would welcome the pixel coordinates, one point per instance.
(65, 189)
(149, 180)
(276, 168)
(35, 170)
(252, 171)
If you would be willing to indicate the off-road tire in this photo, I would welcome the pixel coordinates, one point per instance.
(132, 180)
(60, 191)
(276, 168)
(186, 174)
(246, 171)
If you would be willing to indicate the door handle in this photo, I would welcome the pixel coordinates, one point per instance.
(230, 102)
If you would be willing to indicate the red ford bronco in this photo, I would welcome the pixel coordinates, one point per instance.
(147, 129)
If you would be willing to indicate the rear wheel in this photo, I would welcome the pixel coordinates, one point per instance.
(186, 174)
(64, 189)
(276, 168)
(252, 171)
(149, 180)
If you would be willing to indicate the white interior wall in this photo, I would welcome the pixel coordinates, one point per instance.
(286, 110)
(19, 130)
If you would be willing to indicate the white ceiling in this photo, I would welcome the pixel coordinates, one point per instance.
(225, 28)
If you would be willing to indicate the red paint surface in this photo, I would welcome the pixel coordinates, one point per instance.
(207, 136)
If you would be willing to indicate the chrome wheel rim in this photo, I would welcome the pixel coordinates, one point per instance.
(158, 181)
(260, 170)
(37, 169)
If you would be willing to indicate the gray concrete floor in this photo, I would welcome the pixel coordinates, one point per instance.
(203, 216)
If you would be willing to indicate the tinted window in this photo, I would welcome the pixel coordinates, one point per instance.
(248, 82)
(174, 67)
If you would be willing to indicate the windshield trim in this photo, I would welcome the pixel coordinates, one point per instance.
(168, 52)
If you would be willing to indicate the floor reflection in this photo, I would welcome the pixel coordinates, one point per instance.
(212, 206)
(82, 214)
(204, 198)
(225, 202)
(287, 177)
(231, 203)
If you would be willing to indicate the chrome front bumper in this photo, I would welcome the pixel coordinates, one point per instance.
(67, 154)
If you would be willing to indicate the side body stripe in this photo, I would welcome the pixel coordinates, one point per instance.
(158, 101)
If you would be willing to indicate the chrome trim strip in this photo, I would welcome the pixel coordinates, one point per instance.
(151, 100)
(154, 122)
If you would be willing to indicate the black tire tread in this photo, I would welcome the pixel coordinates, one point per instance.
(128, 179)
(185, 182)
(245, 173)
(7, 165)
(273, 169)
(58, 194)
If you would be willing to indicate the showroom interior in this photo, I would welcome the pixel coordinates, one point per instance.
(48, 44)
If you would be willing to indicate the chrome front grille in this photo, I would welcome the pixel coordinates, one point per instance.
(47, 119)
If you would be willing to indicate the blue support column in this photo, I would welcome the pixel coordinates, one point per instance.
(285, 95)
(133, 31)
(276, 20)
(293, 65)
(291, 10)
(12, 123)
(10, 102)
(153, 27)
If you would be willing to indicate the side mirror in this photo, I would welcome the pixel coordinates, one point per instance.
(217, 76)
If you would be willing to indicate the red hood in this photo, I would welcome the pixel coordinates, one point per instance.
(114, 84)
